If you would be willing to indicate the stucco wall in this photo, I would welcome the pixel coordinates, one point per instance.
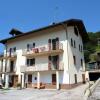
(42, 39)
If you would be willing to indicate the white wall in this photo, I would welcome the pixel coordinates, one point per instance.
(41, 40)
(75, 69)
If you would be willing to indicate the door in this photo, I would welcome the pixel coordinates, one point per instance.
(75, 75)
(83, 77)
(53, 44)
(29, 85)
(15, 80)
(55, 61)
(11, 66)
(54, 79)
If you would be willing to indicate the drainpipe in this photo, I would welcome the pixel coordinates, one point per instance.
(65, 27)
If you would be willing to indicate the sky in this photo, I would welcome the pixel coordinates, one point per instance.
(27, 15)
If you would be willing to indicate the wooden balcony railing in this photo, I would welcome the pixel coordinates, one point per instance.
(43, 50)
(10, 55)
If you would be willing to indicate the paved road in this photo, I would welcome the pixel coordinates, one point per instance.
(96, 94)
(33, 94)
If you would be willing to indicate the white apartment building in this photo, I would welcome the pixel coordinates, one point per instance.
(49, 57)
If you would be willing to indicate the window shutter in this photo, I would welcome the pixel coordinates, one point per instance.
(10, 50)
(71, 42)
(57, 43)
(28, 46)
(49, 62)
(28, 62)
(33, 45)
(49, 44)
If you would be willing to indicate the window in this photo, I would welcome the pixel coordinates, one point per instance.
(57, 43)
(10, 50)
(31, 62)
(49, 44)
(35, 78)
(76, 31)
(2, 65)
(28, 47)
(82, 62)
(71, 42)
(54, 60)
(74, 44)
(33, 45)
(11, 66)
(14, 49)
(75, 76)
(74, 59)
(79, 47)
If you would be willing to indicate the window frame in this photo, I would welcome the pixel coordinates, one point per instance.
(30, 62)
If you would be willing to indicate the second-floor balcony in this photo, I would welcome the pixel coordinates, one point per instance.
(41, 67)
(43, 50)
(1, 69)
(10, 55)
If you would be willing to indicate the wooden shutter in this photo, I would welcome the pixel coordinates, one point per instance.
(49, 62)
(49, 44)
(57, 43)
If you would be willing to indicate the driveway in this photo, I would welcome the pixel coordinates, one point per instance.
(34, 94)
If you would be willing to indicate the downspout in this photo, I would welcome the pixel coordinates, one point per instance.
(65, 27)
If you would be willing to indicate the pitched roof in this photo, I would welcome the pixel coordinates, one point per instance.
(76, 22)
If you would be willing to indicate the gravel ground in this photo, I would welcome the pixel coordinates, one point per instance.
(34, 94)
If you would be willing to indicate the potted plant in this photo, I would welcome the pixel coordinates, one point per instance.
(19, 86)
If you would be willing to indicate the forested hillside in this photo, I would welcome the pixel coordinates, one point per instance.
(92, 46)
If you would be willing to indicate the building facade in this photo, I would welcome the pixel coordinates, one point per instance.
(49, 57)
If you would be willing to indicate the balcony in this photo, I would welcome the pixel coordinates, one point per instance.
(1, 69)
(10, 70)
(41, 67)
(93, 66)
(10, 55)
(1, 55)
(43, 51)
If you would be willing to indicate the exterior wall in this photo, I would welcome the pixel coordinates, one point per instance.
(75, 69)
(67, 76)
(39, 41)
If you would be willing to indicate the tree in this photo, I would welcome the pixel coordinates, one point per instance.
(91, 47)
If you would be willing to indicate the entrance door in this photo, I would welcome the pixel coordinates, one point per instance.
(54, 79)
(29, 85)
